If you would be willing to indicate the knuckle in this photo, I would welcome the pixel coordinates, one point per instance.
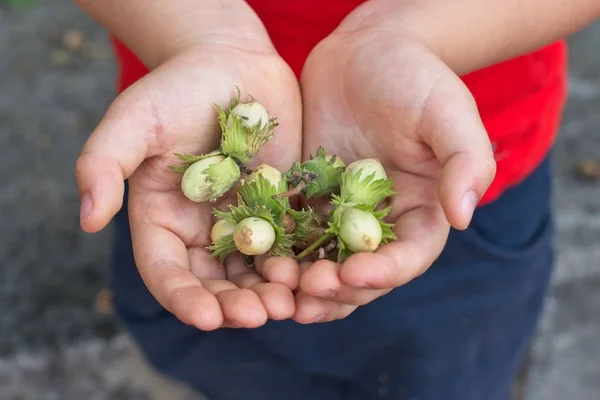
(82, 160)
(81, 167)
(488, 168)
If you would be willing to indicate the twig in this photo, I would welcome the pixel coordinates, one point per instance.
(316, 244)
(292, 192)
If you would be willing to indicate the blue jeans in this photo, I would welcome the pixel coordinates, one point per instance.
(456, 333)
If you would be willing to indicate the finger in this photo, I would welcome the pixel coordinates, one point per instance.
(421, 233)
(111, 154)
(241, 306)
(277, 299)
(304, 266)
(283, 270)
(457, 136)
(240, 274)
(163, 263)
(203, 266)
(310, 309)
(216, 279)
(322, 280)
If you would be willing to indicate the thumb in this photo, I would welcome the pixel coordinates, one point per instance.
(454, 131)
(111, 154)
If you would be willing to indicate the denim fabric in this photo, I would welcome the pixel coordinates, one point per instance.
(458, 332)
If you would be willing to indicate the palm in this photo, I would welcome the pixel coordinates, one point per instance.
(395, 107)
(357, 116)
(173, 108)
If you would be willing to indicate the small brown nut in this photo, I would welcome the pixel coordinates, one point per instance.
(589, 169)
(74, 39)
(288, 223)
(104, 303)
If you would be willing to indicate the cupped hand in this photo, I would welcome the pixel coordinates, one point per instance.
(171, 110)
(376, 94)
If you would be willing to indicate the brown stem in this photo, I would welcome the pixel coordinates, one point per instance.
(292, 192)
(340, 255)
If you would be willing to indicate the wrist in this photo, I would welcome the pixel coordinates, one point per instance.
(156, 30)
(472, 34)
(402, 22)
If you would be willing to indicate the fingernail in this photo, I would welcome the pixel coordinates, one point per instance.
(469, 202)
(86, 207)
(319, 318)
(328, 294)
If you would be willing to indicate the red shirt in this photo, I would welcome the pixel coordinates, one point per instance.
(520, 100)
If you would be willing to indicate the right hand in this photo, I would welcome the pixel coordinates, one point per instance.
(172, 110)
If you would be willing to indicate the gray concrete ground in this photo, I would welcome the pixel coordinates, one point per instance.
(55, 344)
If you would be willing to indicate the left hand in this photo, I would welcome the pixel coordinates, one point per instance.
(168, 111)
(377, 94)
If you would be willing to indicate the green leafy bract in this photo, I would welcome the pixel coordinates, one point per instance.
(222, 175)
(302, 218)
(222, 248)
(283, 241)
(260, 192)
(367, 190)
(189, 159)
(321, 174)
(238, 141)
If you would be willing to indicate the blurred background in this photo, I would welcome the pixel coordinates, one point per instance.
(58, 337)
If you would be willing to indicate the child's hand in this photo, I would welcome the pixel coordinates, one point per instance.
(172, 110)
(370, 94)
